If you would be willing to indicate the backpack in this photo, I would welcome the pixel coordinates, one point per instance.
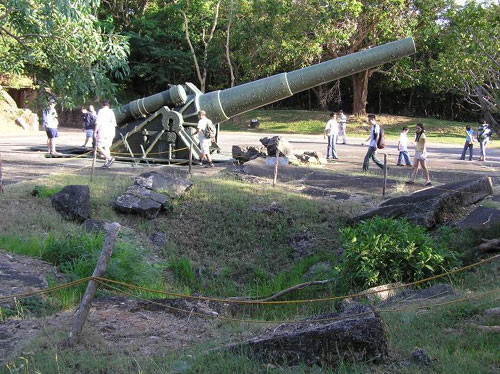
(381, 139)
(210, 130)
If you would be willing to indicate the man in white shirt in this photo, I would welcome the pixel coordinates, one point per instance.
(331, 133)
(372, 146)
(105, 132)
(343, 126)
(50, 123)
(403, 148)
(205, 141)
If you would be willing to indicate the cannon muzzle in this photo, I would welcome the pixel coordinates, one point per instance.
(175, 95)
(222, 105)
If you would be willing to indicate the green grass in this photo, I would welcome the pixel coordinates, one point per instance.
(313, 122)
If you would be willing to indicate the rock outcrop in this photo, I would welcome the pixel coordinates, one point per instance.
(73, 202)
(358, 333)
(244, 153)
(433, 206)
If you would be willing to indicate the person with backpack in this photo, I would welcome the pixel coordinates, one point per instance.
(206, 131)
(376, 140)
(483, 137)
(89, 120)
(420, 155)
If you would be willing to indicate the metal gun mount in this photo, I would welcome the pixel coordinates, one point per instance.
(159, 128)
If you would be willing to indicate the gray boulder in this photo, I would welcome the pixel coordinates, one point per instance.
(277, 142)
(142, 201)
(244, 153)
(167, 184)
(73, 202)
(355, 334)
(433, 206)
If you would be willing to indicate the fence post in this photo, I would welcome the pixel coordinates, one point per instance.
(1, 175)
(385, 174)
(275, 179)
(83, 311)
(190, 157)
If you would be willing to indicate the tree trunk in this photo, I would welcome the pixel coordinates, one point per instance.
(360, 91)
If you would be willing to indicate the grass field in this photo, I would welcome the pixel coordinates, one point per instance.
(313, 122)
(222, 230)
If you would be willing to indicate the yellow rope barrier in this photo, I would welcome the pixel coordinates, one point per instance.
(229, 319)
(301, 301)
(45, 290)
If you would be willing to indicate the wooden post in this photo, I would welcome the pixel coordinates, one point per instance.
(190, 156)
(275, 179)
(83, 311)
(94, 156)
(1, 175)
(385, 174)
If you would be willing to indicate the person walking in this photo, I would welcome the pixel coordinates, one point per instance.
(50, 124)
(89, 120)
(331, 133)
(483, 137)
(469, 143)
(403, 147)
(105, 132)
(342, 126)
(420, 155)
(372, 141)
(206, 137)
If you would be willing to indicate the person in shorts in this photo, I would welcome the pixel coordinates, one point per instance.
(205, 142)
(50, 124)
(89, 120)
(420, 155)
(105, 132)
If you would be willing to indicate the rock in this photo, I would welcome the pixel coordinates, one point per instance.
(7, 98)
(420, 357)
(493, 312)
(435, 205)
(159, 238)
(437, 291)
(95, 225)
(302, 244)
(244, 153)
(480, 217)
(274, 207)
(166, 184)
(357, 334)
(382, 292)
(73, 202)
(28, 120)
(283, 145)
(144, 206)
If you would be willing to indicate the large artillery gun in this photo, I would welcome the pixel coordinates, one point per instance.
(160, 128)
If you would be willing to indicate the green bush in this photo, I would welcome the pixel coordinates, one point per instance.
(382, 251)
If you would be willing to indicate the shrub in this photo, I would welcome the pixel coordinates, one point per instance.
(382, 251)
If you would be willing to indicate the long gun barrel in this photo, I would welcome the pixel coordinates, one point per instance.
(222, 105)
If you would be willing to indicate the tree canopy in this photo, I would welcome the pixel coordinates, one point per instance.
(63, 46)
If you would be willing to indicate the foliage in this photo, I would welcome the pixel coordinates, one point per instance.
(381, 251)
(63, 45)
(44, 191)
(470, 59)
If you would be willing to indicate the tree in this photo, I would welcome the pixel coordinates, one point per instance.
(470, 59)
(62, 45)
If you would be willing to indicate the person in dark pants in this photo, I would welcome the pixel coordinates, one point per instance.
(89, 120)
(372, 141)
(469, 143)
